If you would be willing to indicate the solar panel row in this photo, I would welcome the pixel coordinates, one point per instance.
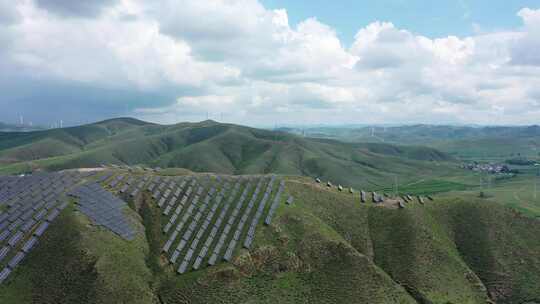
(275, 203)
(34, 203)
(104, 209)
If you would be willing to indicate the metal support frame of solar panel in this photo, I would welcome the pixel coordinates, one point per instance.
(104, 209)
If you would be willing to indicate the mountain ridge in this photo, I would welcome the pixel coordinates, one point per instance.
(216, 147)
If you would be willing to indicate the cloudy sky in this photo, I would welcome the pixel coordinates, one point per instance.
(265, 62)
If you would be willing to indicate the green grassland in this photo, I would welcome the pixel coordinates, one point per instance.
(326, 247)
(463, 142)
(517, 193)
(222, 148)
(76, 262)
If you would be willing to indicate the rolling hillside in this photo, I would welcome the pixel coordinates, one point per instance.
(222, 148)
(326, 247)
(461, 141)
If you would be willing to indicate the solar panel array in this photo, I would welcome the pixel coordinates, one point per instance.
(33, 203)
(207, 219)
(104, 209)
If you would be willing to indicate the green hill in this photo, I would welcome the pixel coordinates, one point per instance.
(222, 148)
(471, 142)
(326, 247)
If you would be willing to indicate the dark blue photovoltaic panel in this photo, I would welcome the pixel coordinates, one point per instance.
(104, 209)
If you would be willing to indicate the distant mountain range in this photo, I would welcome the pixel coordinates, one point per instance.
(460, 141)
(217, 147)
(5, 127)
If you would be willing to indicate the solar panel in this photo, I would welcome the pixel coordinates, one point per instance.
(183, 267)
(4, 225)
(40, 215)
(27, 215)
(15, 238)
(248, 241)
(189, 255)
(15, 224)
(41, 228)
(4, 274)
(195, 242)
(124, 188)
(203, 251)
(181, 245)
(290, 200)
(228, 255)
(4, 252)
(174, 256)
(28, 225)
(53, 215)
(167, 246)
(14, 216)
(29, 244)
(63, 205)
(213, 259)
(103, 209)
(197, 263)
(167, 210)
(16, 260)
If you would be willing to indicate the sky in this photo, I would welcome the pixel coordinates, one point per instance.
(271, 62)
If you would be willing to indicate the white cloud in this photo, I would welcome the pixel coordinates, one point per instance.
(239, 58)
(525, 48)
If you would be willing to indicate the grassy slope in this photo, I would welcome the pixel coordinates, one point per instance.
(210, 146)
(517, 193)
(325, 248)
(495, 143)
(328, 248)
(28, 146)
(434, 250)
(78, 263)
